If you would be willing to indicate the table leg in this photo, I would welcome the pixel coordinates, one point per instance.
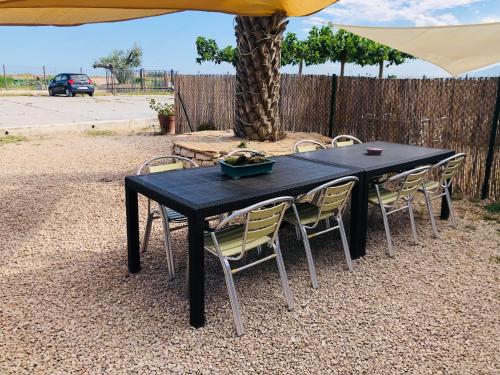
(359, 217)
(445, 210)
(196, 272)
(132, 209)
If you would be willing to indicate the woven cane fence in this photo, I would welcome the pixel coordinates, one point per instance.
(445, 113)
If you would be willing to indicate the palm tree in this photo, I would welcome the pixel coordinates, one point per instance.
(258, 77)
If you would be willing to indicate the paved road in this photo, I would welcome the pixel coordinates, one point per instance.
(32, 112)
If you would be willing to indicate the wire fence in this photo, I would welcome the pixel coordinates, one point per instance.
(132, 80)
(141, 80)
(13, 77)
(446, 113)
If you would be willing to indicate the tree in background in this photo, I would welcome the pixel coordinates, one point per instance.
(377, 54)
(262, 50)
(121, 62)
(320, 45)
(208, 50)
(294, 51)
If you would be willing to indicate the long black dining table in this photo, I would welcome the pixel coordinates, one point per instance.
(395, 157)
(199, 193)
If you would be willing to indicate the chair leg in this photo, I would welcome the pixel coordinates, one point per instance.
(297, 232)
(284, 278)
(452, 210)
(327, 223)
(345, 244)
(310, 261)
(233, 298)
(387, 231)
(167, 244)
(259, 250)
(147, 232)
(412, 222)
(428, 201)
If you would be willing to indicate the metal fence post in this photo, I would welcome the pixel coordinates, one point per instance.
(4, 78)
(491, 148)
(333, 101)
(141, 73)
(44, 78)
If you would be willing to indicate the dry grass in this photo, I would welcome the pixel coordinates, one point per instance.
(12, 139)
(69, 306)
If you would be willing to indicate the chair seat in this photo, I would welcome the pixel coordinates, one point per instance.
(307, 212)
(175, 216)
(429, 185)
(387, 196)
(231, 241)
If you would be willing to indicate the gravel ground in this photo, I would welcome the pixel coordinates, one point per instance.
(69, 305)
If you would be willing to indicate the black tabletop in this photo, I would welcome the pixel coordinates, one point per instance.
(394, 155)
(207, 190)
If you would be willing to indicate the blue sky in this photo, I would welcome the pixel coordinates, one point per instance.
(168, 41)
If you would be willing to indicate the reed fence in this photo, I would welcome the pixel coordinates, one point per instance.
(447, 113)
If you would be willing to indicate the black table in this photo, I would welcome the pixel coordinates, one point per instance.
(201, 192)
(395, 158)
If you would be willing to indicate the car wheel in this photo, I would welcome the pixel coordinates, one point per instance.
(68, 92)
(91, 94)
(73, 94)
(51, 92)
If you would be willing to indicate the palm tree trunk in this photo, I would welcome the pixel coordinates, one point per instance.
(258, 77)
(342, 67)
(380, 69)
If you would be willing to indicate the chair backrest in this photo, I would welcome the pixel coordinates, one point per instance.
(331, 198)
(166, 163)
(408, 182)
(449, 168)
(344, 140)
(261, 220)
(306, 145)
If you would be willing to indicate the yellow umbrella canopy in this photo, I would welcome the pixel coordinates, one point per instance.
(77, 12)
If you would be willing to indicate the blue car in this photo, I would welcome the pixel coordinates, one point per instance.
(70, 84)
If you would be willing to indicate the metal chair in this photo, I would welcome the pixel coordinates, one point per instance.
(231, 243)
(306, 145)
(167, 215)
(344, 140)
(435, 189)
(407, 184)
(329, 200)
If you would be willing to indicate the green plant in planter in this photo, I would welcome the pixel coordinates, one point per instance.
(254, 158)
(163, 109)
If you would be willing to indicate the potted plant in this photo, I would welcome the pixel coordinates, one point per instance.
(245, 163)
(166, 116)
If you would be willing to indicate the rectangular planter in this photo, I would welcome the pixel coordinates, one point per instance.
(238, 171)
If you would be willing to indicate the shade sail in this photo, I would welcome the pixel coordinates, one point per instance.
(77, 12)
(456, 49)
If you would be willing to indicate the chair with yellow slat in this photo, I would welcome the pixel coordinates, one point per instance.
(407, 184)
(435, 189)
(232, 243)
(168, 216)
(345, 140)
(307, 145)
(329, 201)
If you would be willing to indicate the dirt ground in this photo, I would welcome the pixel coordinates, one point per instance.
(69, 305)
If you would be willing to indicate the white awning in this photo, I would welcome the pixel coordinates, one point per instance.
(456, 49)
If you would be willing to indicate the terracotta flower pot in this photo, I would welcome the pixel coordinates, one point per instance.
(167, 124)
